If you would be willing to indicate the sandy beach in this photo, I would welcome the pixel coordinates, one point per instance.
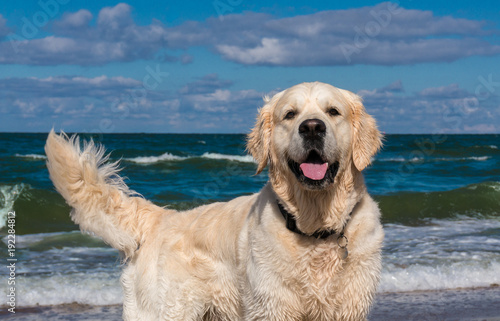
(460, 304)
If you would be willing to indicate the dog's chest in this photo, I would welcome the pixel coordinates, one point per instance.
(320, 264)
(320, 271)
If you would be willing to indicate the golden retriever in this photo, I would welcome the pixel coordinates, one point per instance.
(306, 247)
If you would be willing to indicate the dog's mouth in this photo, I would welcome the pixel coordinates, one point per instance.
(314, 172)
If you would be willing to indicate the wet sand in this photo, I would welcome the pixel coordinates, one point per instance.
(460, 304)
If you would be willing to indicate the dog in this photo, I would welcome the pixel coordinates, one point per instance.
(306, 247)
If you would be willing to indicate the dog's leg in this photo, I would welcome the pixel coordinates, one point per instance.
(358, 290)
(130, 308)
(275, 306)
(191, 311)
(182, 304)
(269, 313)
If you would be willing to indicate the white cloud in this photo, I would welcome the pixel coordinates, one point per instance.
(444, 109)
(27, 108)
(210, 104)
(270, 51)
(450, 91)
(384, 34)
(4, 30)
(115, 18)
(71, 23)
(104, 104)
(74, 40)
(483, 128)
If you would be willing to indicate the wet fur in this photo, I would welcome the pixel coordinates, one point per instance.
(236, 260)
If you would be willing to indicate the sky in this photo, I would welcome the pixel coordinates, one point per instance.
(204, 67)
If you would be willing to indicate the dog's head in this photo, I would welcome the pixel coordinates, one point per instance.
(312, 130)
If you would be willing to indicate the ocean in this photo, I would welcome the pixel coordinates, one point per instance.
(439, 196)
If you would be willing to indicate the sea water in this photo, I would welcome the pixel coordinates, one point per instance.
(439, 196)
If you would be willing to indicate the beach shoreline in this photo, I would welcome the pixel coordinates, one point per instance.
(471, 304)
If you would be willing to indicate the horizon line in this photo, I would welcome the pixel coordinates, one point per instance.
(173, 133)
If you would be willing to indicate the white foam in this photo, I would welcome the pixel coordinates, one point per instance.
(391, 159)
(170, 157)
(96, 288)
(443, 159)
(444, 254)
(495, 186)
(27, 240)
(33, 156)
(155, 159)
(237, 158)
(84, 275)
(454, 159)
(479, 158)
(24, 241)
(8, 196)
(489, 146)
(447, 276)
(103, 288)
(401, 159)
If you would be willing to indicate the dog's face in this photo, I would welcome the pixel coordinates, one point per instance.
(311, 130)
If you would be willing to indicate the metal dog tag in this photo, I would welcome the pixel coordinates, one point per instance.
(342, 242)
(343, 253)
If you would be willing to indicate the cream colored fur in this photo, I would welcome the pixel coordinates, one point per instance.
(236, 260)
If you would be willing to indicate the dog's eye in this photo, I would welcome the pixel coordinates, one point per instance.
(290, 114)
(332, 111)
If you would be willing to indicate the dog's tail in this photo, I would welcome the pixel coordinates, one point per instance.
(102, 203)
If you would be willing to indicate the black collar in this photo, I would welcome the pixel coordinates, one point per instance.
(291, 224)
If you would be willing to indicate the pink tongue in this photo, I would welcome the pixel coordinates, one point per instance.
(314, 171)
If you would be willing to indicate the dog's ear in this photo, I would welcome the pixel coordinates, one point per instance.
(367, 139)
(259, 139)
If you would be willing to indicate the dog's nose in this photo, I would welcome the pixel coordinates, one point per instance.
(312, 127)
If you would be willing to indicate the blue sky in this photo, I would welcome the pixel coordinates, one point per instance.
(203, 67)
